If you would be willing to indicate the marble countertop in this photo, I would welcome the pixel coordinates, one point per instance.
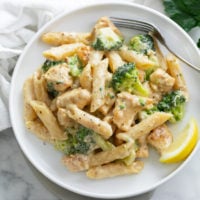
(19, 180)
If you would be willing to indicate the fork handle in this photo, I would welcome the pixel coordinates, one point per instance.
(183, 60)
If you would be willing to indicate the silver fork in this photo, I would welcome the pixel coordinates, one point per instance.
(152, 30)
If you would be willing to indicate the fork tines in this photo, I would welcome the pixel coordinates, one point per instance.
(133, 24)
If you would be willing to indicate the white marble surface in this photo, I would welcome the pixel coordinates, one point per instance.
(19, 180)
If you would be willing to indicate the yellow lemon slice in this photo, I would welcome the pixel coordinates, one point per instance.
(183, 144)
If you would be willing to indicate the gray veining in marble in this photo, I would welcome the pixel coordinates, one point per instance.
(19, 180)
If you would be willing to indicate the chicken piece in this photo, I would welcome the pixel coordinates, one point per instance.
(80, 97)
(109, 101)
(63, 118)
(58, 77)
(126, 108)
(160, 138)
(84, 54)
(77, 162)
(161, 81)
(156, 96)
(142, 151)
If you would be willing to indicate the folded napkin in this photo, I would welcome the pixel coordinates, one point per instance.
(20, 20)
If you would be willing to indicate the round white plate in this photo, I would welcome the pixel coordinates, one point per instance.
(45, 158)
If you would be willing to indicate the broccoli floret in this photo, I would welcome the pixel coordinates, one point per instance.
(142, 43)
(48, 64)
(75, 65)
(81, 141)
(149, 111)
(126, 78)
(174, 103)
(107, 40)
(52, 93)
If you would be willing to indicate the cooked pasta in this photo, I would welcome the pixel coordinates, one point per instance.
(102, 101)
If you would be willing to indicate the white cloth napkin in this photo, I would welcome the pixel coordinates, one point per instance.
(20, 20)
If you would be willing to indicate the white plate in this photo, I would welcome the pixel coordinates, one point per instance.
(45, 158)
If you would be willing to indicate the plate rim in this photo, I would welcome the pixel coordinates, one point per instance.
(43, 171)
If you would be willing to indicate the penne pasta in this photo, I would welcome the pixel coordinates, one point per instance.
(161, 59)
(39, 129)
(115, 60)
(95, 57)
(143, 150)
(29, 95)
(86, 77)
(175, 71)
(141, 61)
(89, 121)
(40, 90)
(114, 169)
(60, 38)
(98, 85)
(62, 52)
(48, 119)
(116, 153)
(147, 125)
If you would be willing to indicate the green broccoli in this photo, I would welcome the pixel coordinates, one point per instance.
(142, 43)
(81, 141)
(48, 64)
(107, 40)
(52, 93)
(149, 111)
(125, 78)
(174, 103)
(75, 65)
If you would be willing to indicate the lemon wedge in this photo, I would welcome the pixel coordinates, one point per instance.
(183, 144)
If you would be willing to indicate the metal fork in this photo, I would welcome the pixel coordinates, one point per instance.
(152, 30)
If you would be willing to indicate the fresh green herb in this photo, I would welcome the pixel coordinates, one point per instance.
(142, 102)
(49, 63)
(184, 12)
(112, 96)
(122, 106)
